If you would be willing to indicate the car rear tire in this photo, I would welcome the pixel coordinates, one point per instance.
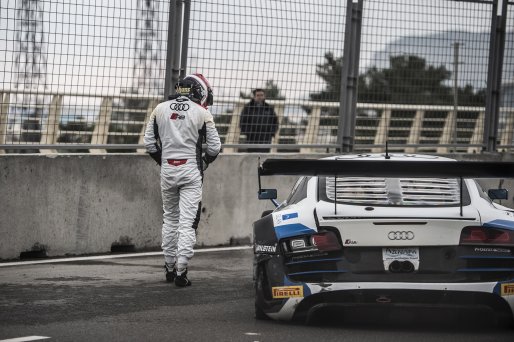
(506, 321)
(266, 213)
(260, 315)
(259, 288)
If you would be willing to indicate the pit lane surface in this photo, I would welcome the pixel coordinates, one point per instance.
(127, 299)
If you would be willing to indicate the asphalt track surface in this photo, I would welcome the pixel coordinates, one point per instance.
(127, 299)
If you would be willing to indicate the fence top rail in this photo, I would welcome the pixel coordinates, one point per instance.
(85, 146)
(241, 101)
(80, 94)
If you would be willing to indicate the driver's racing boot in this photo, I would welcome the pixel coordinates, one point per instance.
(181, 279)
(171, 272)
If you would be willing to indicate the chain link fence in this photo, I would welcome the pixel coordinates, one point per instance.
(78, 73)
(506, 117)
(85, 75)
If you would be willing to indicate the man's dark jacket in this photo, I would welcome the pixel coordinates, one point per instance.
(259, 123)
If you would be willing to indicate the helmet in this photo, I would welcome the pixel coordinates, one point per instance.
(197, 88)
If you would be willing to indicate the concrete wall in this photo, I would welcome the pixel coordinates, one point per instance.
(84, 204)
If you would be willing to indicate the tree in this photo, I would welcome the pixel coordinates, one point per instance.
(271, 89)
(330, 72)
(408, 80)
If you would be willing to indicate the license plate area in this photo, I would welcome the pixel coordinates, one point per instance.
(400, 254)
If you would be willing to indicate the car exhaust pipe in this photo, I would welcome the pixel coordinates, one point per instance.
(395, 267)
(407, 267)
(401, 267)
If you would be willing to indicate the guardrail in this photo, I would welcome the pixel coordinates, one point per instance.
(100, 122)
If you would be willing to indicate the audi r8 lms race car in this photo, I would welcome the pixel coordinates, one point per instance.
(384, 230)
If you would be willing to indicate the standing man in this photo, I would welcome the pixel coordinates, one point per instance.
(258, 121)
(173, 138)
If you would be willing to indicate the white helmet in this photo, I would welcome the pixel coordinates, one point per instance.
(197, 88)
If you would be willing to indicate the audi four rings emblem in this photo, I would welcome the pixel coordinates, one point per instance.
(181, 107)
(401, 235)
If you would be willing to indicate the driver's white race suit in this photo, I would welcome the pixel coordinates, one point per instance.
(174, 136)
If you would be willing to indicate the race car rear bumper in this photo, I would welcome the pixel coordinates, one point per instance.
(319, 296)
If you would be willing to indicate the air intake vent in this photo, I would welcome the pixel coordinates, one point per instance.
(435, 191)
(394, 191)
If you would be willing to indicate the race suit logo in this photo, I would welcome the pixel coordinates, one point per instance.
(507, 290)
(181, 107)
(183, 90)
(175, 116)
(287, 291)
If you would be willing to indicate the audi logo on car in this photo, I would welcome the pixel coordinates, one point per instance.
(181, 107)
(400, 235)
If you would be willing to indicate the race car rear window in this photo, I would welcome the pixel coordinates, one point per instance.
(394, 191)
(299, 191)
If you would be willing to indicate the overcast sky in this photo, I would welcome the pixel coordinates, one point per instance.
(237, 44)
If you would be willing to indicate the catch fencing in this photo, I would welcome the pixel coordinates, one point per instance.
(433, 76)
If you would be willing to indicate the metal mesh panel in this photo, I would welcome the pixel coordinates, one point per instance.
(91, 72)
(506, 123)
(409, 54)
(80, 72)
(273, 45)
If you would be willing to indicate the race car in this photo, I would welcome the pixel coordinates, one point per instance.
(384, 230)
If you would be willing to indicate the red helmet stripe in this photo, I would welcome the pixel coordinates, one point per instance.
(200, 76)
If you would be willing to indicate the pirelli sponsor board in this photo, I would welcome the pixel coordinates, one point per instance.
(287, 291)
(507, 289)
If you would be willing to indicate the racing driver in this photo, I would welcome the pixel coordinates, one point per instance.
(173, 138)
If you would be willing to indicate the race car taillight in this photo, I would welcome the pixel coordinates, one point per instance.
(325, 242)
(486, 236)
(320, 242)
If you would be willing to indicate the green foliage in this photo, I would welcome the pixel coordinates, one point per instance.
(330, 72)
(408, 80)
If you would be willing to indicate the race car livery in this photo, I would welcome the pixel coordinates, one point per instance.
(410, 230)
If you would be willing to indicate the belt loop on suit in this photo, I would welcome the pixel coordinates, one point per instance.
(176, 162)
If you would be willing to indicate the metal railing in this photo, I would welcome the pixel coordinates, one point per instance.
(111, 126)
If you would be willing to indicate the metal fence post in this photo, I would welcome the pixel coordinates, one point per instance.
(171, 48)
(177, 45)
(185, 38)
(349, 76)
(4, 110)
(494, 76)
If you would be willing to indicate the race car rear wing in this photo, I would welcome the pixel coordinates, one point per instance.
(387, 168)
(383, 168)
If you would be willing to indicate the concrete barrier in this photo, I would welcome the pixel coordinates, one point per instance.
(60, 205)
(84, 204)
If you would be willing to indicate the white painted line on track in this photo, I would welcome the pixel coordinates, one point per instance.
(115, 256)
(26, 338)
